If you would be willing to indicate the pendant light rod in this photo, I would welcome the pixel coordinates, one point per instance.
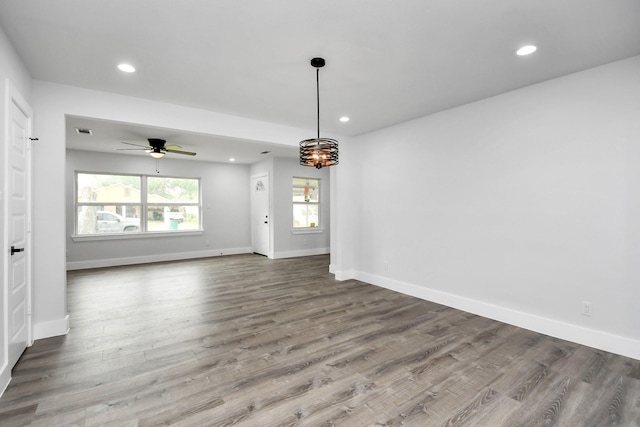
(318, 152)
(318, 97)
(318, 63)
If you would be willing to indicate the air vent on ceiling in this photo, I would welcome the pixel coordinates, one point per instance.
(83, 131)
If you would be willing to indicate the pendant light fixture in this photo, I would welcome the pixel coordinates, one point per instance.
(318, 152)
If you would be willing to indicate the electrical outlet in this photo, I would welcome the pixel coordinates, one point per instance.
(586, 308)
(386, 266)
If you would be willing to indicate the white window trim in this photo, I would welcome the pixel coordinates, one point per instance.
(138, 235)
(310, 230)
(307, 230)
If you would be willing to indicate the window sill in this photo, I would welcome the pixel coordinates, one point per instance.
(310, 230)
(147, 235)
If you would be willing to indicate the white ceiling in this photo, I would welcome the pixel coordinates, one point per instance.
(107, 136)
(387, 61)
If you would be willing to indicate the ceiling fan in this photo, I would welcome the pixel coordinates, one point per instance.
(157, 148)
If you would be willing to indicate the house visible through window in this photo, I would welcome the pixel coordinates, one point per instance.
(306, 202)
(173, 203)
(108, 204)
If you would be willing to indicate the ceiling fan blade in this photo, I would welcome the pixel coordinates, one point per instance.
(186, 153)
(157, 145)
(135, 145)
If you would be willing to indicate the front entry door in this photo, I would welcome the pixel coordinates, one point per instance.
(18, 179)
(260, 214)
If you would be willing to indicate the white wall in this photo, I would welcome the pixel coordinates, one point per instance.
(13, 77)
(517, 207)
(346, 211)
(225, 212)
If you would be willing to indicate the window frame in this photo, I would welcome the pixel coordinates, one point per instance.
(148, 204)
(142, 205)
(307, 229)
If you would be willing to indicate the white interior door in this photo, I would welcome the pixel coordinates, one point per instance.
(18, 180)
(260, 214)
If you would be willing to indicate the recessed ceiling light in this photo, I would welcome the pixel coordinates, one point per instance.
(526, 50)
(127, 68)
(344, 119)
(232, 159)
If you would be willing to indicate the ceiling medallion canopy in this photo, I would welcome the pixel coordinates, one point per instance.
(318, 152)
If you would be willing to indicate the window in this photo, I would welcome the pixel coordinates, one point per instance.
(173, 203)
(306, 202)
(112, 204)
(107, 203)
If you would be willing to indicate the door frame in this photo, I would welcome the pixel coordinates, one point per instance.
(14, 97)
(269, 194)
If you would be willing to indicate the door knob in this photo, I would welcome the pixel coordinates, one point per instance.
(14, 250)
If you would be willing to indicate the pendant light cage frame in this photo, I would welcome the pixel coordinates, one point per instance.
(318, 152)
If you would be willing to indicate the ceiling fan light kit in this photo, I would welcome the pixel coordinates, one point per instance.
(156, 154)
(318, 152)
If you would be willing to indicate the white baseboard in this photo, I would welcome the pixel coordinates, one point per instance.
(344, 274)
(41, 330)
(593, 338)
(5, 378)
(145, 259)
(52, 328)
(300, 252)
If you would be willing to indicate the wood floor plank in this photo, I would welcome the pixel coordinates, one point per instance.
(248, 341)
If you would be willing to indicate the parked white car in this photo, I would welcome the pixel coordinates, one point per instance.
(111, 222)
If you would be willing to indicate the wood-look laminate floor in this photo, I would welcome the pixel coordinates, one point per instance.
(248, 341)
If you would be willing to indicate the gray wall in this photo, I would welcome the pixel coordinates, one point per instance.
(286, 242)
(225, 215)
(518, 207)
(225, 212)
